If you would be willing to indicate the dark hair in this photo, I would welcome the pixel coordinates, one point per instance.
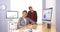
(24, 11)
(30, 7)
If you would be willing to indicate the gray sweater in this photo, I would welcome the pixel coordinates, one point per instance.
(21, 22)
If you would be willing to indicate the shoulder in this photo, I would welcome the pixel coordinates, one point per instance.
(34, 11)
(20, 18)
(27, 18)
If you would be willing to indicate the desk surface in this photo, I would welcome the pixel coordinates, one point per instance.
(41, 28)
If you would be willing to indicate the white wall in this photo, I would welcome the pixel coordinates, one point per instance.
(20, 5)
(49, 4)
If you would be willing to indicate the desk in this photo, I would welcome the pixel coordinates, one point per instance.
(41, 28)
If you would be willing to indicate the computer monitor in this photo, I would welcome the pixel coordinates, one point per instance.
(12, 14)
(47, 14)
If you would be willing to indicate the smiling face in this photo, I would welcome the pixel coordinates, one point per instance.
(24, 14)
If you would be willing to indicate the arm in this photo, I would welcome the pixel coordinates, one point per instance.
(32, 22)
(19, 23)
(35, 16)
